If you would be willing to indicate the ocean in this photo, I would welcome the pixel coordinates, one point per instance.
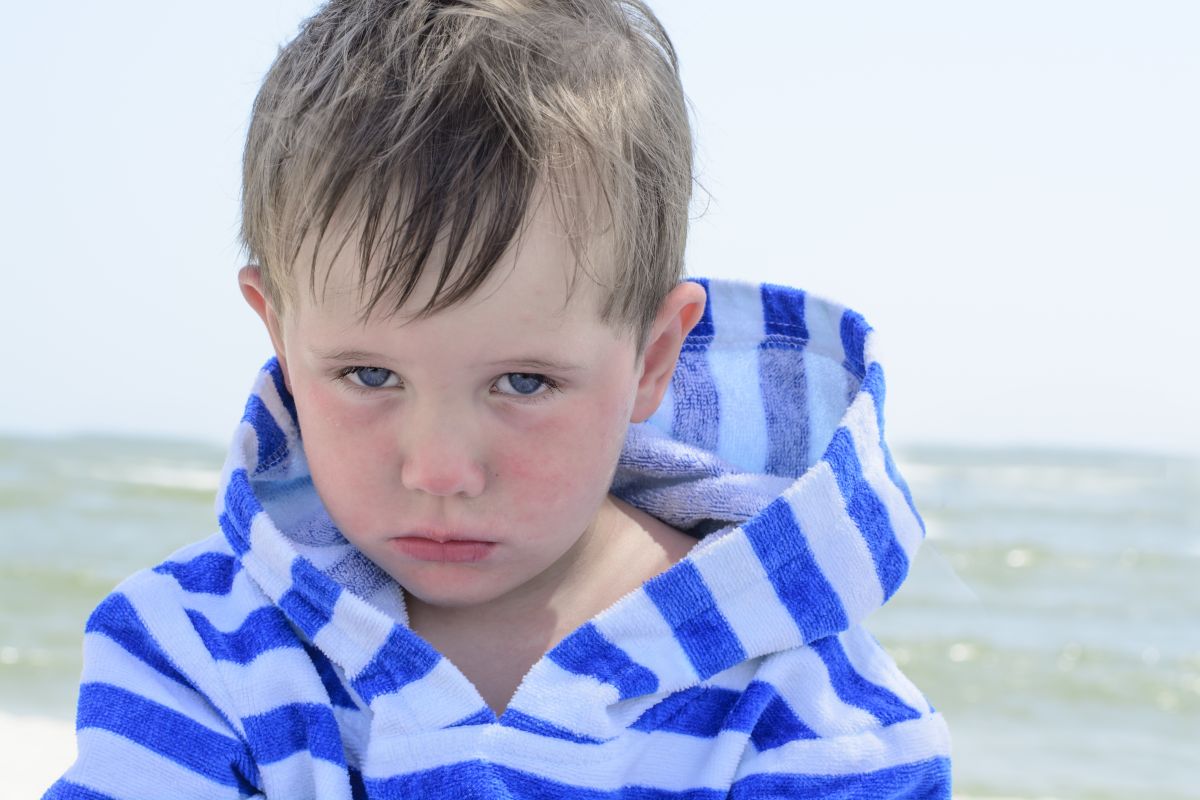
(1052, 615)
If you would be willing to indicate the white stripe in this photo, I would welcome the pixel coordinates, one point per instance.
(355, 633)
(738, 324)
(409, 710)
(302, 775)
(802, 680)
(750, 605)
(109, 663)
(864, 432)
(836, 542)
(827, 385)
(170, 627)
(227, 612)
(544, 692)
(113, 765)
(823, 318)
(269, 558)
(902, 743)
(275, 678)
(870, 660)
(659, 760)
(636, 626)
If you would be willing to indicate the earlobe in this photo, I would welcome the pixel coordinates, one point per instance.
(250, 282)
(679, 313)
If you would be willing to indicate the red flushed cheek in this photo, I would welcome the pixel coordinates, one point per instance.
(347, 455)
(564, 464)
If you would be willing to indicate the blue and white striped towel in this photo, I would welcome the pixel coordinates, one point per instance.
(273, 659)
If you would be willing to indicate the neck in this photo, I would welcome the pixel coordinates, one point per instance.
(623, 548)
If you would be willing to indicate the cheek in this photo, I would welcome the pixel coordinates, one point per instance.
(345, 455)
(564, 460)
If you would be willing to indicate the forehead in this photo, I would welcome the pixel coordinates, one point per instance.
(560, 263)
(552, 271)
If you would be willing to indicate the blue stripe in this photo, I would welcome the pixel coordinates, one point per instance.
(792, 570)
(475, 780)
(704, 327)
(117, 619)
(854, 330)
(778, 726)
(210, 573)
(783, 311)
(402, 659)
(691, 611)
(241, 506)
(334, 688)
(696, 410)
(868, 513)
(876, 386)
(525, 722)
(295, 728)
(272, 444)
(289, 403)
(771, 723)
(784, 389)
(857, 690)
(702, 711)
(358, 789)
(310, 601)
(921, 780)
(484, 716)
(65, 790)
(263, 629)
(587, 652)
(161, 730)
(237, 542)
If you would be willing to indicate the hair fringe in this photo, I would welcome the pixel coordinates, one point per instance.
(406, 123)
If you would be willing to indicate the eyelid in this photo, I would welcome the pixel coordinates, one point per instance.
(349, 375)
(549, 386)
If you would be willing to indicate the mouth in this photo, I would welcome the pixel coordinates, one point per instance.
(442, 549)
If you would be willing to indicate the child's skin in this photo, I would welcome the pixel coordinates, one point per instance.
(469, 453)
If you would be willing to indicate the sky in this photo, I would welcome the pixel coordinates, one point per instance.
(1008, 192)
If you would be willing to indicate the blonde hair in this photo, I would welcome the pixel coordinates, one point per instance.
(422, 120)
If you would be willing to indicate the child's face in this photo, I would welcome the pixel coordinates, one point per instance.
(467, 453)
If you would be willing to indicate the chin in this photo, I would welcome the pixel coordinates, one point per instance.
(449, 596)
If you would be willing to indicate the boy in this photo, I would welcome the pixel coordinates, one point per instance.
(514, 511)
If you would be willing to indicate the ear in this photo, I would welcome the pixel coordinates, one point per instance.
(677, 315)
(250, 281)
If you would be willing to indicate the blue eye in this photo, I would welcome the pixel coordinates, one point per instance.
(371, 377)
(523, 383)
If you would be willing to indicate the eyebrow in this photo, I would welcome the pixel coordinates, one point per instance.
(348, 355)
(530, 364)
(535, 365)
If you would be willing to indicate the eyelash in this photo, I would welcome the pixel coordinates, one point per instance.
(551, 388)
(551, 385)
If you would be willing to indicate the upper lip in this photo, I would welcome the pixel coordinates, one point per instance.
(441, 536)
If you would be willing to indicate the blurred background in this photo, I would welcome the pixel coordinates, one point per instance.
(1008, 192)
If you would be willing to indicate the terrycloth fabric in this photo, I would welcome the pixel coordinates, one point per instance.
(274, 660)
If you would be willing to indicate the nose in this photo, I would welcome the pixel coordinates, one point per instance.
(440, 455)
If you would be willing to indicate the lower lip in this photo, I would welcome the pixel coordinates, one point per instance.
(455, 551)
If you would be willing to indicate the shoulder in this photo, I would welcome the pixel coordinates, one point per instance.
(152, 690)
(179, 617)
(204, 576)
(840, 705)
(844, 684)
